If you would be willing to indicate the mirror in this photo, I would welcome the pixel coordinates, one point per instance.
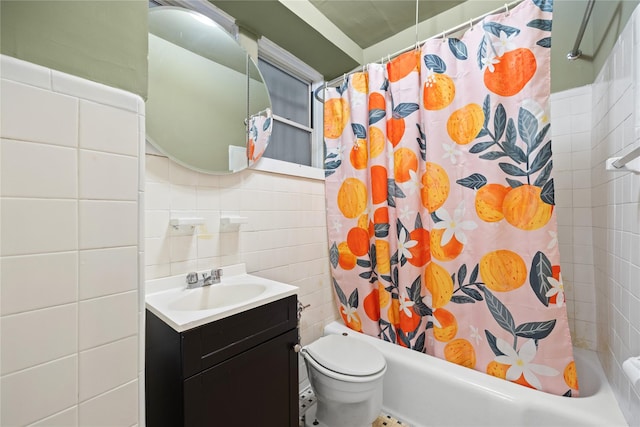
(208, 107)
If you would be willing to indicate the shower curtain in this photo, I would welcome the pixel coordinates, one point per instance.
(440, 202)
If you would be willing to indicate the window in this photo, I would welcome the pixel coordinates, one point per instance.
(297, 116)
(291, 106)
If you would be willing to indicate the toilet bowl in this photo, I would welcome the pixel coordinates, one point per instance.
(346, 376)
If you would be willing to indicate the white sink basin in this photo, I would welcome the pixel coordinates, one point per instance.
(216, 296)
(183, 309)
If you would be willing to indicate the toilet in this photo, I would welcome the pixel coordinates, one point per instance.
(346, 376)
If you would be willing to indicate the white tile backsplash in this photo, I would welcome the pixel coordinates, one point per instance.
(156, 169)
(179, 175)
(157, 195)
(183, 198)
(64, 139)
(284, 239)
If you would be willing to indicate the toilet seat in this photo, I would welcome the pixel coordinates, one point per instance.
(346, 358)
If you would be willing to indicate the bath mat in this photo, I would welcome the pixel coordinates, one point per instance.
(386, 421)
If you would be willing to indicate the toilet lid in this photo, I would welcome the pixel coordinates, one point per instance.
(346, 355)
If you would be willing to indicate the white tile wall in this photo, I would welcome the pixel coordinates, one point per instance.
(572, 164)
(55, 114)
(98, 180)
(106, 319)
(38, 336)
(38, 392)
(599, 212)
(32, 226)
(24, 291)
(112, 408)
(67, 418)
(106, 367)
(70, 279)
(50, 173)
(285, 238)
(108, 271)
(105, 224)
(615, 199)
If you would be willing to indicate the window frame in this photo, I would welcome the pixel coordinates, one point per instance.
(288, 122)
(290, 64)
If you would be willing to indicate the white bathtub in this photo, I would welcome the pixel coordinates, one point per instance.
(423, 391)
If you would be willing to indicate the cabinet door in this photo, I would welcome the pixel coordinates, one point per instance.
(256, 388)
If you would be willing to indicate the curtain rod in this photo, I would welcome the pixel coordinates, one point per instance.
(576, 52)
(455, 29)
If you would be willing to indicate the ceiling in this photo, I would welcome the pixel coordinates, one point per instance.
(314, 30)
(367, 22)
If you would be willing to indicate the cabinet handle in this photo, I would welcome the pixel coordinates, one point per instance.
(297, 348)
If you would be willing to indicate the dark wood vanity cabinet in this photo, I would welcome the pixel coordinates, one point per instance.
(238, 371)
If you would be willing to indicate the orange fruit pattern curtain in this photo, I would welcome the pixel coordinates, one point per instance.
(440, 202)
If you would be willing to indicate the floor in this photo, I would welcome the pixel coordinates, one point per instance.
(307, 401)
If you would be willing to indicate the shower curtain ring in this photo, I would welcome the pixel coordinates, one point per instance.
(470, 24)
(506, 9)
(444, 38)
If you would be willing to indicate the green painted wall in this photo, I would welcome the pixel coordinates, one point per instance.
(106, 41)
(607, 21)
(102, 41)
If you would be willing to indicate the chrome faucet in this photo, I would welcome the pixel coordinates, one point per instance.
(194, 280)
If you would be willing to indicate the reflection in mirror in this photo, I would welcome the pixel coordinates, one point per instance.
(205, 93)
(260, 123)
